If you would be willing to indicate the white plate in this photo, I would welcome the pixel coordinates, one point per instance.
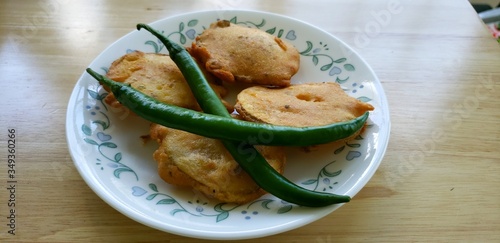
(107, 150)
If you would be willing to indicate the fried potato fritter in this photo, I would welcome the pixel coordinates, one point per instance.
(301, 105)
(236, 53)
(186, 159)
(155, 75)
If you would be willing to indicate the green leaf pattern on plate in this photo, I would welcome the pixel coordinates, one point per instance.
(100, 139)
(324, 179)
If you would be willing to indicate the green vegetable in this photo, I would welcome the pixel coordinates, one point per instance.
(245, 154)
(225, 127)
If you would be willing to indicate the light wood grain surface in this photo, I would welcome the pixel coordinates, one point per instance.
(438, 182)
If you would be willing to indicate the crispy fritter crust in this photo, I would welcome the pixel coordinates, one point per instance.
(236, 53)
(186, 159)
(301, 105)
(155, 75)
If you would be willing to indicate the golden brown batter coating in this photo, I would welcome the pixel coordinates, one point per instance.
(155, 75)
(299, 105)
(186, 159)
(236, 53)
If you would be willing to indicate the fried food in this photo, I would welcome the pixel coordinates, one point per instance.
(157, 76)
(301, 105)
(236, 53)
(186, 159)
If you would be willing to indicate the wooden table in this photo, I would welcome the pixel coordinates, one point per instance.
(438, 182)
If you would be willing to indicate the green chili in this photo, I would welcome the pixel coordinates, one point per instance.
(226, 128)
(245, 154)
(276, 184)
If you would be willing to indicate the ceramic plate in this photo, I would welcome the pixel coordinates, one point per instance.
(110, 155)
